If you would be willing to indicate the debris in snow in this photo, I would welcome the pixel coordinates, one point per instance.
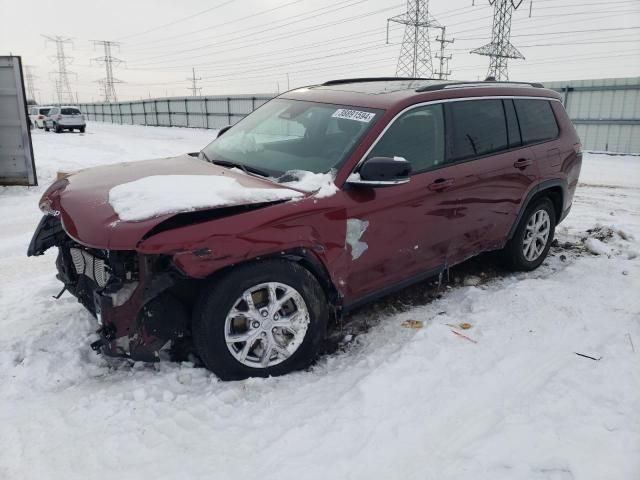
(465, 325)
(158, 195)
(355, 229)
(412, 324)
(472, 281)
(463, 336)
(588, 356)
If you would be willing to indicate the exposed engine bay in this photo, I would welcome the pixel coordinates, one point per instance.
(133, 296)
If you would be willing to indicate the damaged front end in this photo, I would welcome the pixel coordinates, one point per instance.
(127, 292)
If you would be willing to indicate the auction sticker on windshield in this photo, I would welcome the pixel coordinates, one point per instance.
(357, 115)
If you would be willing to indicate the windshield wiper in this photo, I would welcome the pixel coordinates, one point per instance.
(246, 169)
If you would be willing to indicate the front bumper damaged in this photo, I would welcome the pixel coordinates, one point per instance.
(127, 292)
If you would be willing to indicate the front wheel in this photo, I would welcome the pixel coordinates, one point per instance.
(262, 319)
(46, 129)
(532, 239)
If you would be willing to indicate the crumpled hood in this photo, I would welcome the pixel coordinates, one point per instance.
(83, 198)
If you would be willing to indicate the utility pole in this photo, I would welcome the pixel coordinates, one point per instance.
(444, 72)
(109, 81)
(30, 77)
(415, 54)
(63, 86)
(500, 49)
(195, 90)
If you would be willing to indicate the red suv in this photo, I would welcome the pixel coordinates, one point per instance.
(323, 199)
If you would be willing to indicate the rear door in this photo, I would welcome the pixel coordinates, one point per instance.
(494, 172)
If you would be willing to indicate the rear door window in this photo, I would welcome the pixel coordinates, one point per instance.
(475, 128)
(417, 136)
(537, 121)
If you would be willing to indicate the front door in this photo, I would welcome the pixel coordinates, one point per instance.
(398, 233)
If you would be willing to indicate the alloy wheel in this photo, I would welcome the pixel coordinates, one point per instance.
(266, 325)
(536, 235)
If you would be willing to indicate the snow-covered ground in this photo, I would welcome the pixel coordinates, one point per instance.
(510, 401)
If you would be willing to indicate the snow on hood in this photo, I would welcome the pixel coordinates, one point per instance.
(321, 183)
(158, 195)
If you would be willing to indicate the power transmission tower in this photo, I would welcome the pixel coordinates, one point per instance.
(109, 81)
(195, 90)
(30, 77)
(415, 54)
(63, 86)
(500, 49)
(444, 72)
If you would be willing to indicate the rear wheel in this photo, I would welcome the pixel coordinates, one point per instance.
(82, 129)
(261, 319)
(58, 128)
(532, 239)
(46, 128)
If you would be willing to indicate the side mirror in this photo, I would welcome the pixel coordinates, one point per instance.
(382, 172)
(222, 130)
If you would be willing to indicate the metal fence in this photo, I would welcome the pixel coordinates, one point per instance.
(198, 112)
(606, 112)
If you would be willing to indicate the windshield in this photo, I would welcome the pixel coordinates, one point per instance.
(285, 135)
(44, 111)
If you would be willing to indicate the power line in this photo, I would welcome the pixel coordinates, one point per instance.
(252, 35)
(202, 12)
(63, 85)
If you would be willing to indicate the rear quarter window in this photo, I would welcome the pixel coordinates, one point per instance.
(537, 121)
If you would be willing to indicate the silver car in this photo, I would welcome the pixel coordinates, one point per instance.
(65, 118)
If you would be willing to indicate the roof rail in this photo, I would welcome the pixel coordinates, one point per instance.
(371, 79)
(486, 83)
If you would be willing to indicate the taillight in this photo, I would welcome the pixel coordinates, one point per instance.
(40, 117)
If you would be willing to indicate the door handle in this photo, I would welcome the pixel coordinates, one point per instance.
(522, 163)
(441, 184)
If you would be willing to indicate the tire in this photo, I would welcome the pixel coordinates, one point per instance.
(57, 128)
(521, 256)
(289, 351)
(82, 129)
(46, 129)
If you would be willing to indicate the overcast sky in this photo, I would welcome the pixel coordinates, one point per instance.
(310, 40)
